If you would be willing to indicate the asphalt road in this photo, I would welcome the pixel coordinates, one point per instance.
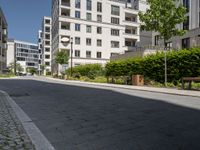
(88, 118)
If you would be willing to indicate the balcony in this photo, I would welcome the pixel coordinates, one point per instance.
(65, 3)
(65, 12)
(4, 46)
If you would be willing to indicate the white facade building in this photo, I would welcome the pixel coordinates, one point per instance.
(3, 41)
(46, 44)
(192, 25)
(99, 28)
(25, 53)
(40, 52)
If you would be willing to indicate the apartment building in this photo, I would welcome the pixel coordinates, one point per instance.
(25, 53)
(192, 25)
(46, 44)
(40, 53)
(3, 41)
(97, 29)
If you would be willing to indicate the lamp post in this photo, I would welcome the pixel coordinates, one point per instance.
(66, 40)
(71, 41)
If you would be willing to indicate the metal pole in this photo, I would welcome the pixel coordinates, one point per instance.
(71, 55)
(165, 65)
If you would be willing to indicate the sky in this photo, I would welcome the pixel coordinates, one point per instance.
(24, 17)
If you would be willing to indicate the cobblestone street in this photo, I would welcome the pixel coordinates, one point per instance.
(12, 135)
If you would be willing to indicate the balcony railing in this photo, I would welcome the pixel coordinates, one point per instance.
(65, 4)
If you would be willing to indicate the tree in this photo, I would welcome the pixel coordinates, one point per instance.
(162, 17)
(19, 68)
(31, 70)
(62, 57)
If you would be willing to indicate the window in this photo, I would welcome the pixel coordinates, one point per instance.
(99, 43)
(114, 20)
(88, 54)
(89, 4)
(88, 29)
(98, 54)
(47, 42)
(88, 41)
(99, 18)
(77, 4)
(47, 49)
(77, 53)
(186, 24)
(77, 27)
(186, 43)
(47, 36)
(47, 29)
(114, 32)
(47, 63)
(114, 44)
(47, 56)
(77, 40)
(156, 40)
(115, 10)
(186, 5)
(99, 30)
(99, 7)
(89, 16)
(47, 21)
(77, 14)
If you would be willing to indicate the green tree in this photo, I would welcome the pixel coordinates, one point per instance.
(162, 17)
(62, 57)
(19, 68)
(31, 70)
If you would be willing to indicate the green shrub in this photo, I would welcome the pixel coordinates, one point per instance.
(90, 70)
(183, 63)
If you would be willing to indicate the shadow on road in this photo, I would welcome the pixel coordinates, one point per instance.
(83, 118)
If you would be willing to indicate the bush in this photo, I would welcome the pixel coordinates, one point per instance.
(48, 73)
(90, 70)
(183, 63)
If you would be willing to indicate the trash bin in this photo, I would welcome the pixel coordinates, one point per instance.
(138, 80)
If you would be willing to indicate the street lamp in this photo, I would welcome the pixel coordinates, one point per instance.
(67, 40)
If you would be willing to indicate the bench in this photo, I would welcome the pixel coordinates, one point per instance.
(189, 80)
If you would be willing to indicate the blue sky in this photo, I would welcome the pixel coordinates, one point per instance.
(24, 17)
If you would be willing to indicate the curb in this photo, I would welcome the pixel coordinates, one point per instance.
(155, 90)
(37, 138)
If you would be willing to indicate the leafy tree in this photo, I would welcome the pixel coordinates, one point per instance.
(62, 57)
(31, 70)
(162, 17)
(19, 68)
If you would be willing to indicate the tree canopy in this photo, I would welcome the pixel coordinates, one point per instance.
(62, 57)
(162, 17)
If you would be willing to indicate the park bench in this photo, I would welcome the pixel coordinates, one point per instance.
(189, 80)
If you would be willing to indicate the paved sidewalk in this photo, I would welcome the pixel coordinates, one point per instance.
(141, 88)
(12, 134)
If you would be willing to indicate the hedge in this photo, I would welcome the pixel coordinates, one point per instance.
(183, 63)
(89, 70)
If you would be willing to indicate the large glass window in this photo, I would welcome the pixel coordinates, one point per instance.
(99, 7)
(89, 4)
(186, 4)
(114, 20)
(77, 27)
(89, 16)
(115, 10)
(77, 4)
(88, 29)
(77, 53)
(186, 24)
(77, 14)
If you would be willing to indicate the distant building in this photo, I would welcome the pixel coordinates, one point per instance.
(99, 29)
(3, 41)
(25, 53)
(192, 25)
(44, 42)
(40, 53)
